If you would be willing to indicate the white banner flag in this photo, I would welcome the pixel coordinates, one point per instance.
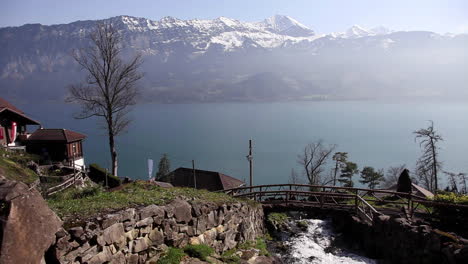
(150, 168)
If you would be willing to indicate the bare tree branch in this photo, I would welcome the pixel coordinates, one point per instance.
(313, 159)
(110, 86)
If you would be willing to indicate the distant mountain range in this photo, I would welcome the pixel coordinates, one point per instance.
(229, 60)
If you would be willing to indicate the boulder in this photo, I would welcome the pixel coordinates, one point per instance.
(28, 224)
(114, 234)
(182, 211)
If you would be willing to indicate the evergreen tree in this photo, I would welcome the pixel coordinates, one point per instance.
(164, 169)
(347, 173)
(340, 161)
(371, 177)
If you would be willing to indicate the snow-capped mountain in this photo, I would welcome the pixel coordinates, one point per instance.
(357, 31)
(227, 59)
(285, 25)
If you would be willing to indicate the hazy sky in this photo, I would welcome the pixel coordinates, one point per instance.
(323, 16)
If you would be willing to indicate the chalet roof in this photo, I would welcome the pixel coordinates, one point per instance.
(416, 189)
(10, 111)
(5, 104)
(58, 135)
(210, 180)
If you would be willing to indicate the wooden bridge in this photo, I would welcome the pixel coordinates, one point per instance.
(366, 203)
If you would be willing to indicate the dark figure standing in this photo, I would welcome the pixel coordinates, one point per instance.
(404, 182)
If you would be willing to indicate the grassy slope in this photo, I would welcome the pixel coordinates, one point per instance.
(75, 203)
(11, 167)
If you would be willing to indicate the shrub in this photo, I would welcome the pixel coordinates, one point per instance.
(277, 219)
(302, 224)
(198, 251)
(450, 197)
(172, 256)
(98, 175)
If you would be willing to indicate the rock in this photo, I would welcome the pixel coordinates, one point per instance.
(88, 254)
(139, 245)
(76, 232)
(30, 225)
(182, 211)
(213, 260)
(267, 260)
(132, 259)
(114, 234)
(145, 230)
(128, 215)
(118, 258)
(248, 254)
(156, 237)
(110, 220)
(144, 222)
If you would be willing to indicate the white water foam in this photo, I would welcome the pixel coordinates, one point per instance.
(310, 247)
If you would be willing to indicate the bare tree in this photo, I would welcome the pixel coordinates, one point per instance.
(462, 179)
(294, 177)
(391, 177)
(428, 164)
(110, 86)
(313, 159)
(452, 177)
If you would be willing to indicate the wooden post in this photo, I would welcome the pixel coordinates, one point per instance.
(194, 176)
(410, 209)
(356, 201)
(107, 186)
(260, 193)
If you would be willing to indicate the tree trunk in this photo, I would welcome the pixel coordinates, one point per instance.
(334, 176)
(113, 154)
(112, 149)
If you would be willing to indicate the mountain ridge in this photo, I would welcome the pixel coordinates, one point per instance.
(222, 59)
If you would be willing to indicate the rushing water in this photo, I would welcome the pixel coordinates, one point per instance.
(315, 246)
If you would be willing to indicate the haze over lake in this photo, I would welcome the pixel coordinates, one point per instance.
(216, 135)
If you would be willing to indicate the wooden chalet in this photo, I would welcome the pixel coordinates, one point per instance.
(13, 122)
(57, 145)
(209, 180)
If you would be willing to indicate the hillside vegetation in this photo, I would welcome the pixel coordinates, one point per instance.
(13, 166)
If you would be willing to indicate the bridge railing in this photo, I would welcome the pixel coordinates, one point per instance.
(364, 201)
(367, 203)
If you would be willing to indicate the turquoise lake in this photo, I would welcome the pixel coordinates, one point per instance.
(216, 135)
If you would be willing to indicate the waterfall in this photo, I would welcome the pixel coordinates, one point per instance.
(315, 245)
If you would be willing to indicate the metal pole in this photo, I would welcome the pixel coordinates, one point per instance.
(194, 176)
(250, 162)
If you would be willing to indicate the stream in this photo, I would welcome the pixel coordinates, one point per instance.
(317, 243)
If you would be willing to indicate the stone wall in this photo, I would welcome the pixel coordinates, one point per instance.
(396, 240)
(140, 235)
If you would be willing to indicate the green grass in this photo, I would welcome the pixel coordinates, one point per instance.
(172, 256)
(14, 167)
(198, 251)
(230, 257)
(259, 243)
(277, 219)
(71, 203)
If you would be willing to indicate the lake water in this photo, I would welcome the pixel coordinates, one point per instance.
(216, 135)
